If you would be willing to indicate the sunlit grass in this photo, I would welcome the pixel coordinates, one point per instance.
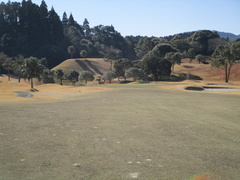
(133, 131)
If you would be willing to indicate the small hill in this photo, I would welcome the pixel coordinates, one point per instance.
(206, 72)
(97, 66)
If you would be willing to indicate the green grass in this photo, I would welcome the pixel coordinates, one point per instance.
(143, 129)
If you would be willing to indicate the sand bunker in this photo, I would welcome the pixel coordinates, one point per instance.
(219, 88)
(194, 88)
(23, 94)
(206, 88)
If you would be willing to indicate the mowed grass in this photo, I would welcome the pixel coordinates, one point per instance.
(132, 132)
(97, 66)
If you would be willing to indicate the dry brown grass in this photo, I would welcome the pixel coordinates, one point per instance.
(145, 131)
(97, 66)
(142, 131)
(46, 92)
(206, 72)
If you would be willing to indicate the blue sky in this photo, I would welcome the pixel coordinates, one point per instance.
(153, 17)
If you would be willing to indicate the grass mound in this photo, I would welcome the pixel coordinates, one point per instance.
(97, 66)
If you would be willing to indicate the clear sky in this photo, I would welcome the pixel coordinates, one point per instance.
(153, 17)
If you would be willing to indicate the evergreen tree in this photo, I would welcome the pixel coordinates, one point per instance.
(83, 53)
(32, 68)
(59, 74)
(86, 76)
(65, 19)
(29, 28)
(44, 24)
(202, 38)
(71, 51)
(8, 65)
(71, 21)
(120, 66)
(174, 58)
(86, 28)
(134, 73)
(72, 77)
(56, 28)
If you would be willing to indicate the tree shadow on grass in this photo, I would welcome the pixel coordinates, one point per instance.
(89, 63)
(125, 82)
(84, 66)
(180, 77)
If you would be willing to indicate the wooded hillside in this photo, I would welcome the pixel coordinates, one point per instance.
(27, 29)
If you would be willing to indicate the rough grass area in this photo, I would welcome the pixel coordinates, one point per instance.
(133, 132)
(206, 71)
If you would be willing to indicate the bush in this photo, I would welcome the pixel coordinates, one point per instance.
(86, 76)
(134, 73)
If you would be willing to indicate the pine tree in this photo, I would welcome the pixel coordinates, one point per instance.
(71, 21)
(56, 28)
(44, 24)
(86, 28)
(64, 19)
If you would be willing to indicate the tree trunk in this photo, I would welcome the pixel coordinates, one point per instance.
(110, 65)
(226, 73)
(31, 83)
(229, 71)
(8, 75)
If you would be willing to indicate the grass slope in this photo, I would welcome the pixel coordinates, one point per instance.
(98, 66)
(207, 72)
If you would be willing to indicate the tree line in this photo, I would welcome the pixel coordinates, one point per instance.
(27, 29)
(30, 30)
